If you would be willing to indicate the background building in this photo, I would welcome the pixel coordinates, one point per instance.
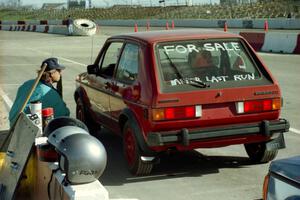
(233, 2)
(74, 4)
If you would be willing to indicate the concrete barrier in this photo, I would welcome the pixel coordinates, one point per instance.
(277, 23)
(55, 22)
(36, 28)
(59, 30)
(280, 42)
(40, 28)
(161, 23)
(297, 48)
(6, 22)
(33, 22)
(256, 40)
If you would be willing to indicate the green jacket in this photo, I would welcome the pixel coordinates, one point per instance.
(45, 93)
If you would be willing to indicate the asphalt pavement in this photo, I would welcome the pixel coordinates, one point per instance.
(222, 173)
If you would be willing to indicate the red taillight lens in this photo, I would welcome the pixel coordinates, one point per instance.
(267, 105)
(190, 111)
(169, 113)
(186, 112)
(258, 105)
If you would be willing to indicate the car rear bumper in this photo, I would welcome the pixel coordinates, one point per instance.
(184, 136)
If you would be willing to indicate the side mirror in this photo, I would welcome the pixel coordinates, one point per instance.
(92, 69)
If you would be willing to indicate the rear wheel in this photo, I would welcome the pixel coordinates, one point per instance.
(133, 153)
(82, 115)
(258, 152)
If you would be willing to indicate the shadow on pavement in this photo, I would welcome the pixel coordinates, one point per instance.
(172, 165)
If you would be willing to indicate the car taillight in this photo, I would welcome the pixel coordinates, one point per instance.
(265, 187)
(258, 105)
(172, 113)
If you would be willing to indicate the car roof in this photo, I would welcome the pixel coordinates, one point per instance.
(288, 167)
(180, 34)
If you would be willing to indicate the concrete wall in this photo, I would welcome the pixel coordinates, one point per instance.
(206, 23)
(282, 42)
(203, 23)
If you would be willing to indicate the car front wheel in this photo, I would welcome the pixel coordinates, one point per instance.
(258, 152)
(133, 153)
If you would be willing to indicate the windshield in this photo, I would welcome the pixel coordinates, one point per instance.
(215, 62)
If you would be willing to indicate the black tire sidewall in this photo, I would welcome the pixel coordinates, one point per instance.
(258, 152)
(87, 119)
(79, 106)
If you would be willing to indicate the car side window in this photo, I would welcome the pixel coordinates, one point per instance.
(128, 65)
(110, 59)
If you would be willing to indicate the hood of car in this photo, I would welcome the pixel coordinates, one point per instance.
(288, 167)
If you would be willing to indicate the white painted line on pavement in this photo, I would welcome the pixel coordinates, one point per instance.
(295, 130)
(7, 100)
(18, 64)
(11, 84)
(71, 61)
(62, 58)
(123, 199)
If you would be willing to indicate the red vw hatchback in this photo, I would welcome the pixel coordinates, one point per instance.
(181, 90)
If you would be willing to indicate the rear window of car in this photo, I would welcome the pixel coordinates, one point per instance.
(216, 63)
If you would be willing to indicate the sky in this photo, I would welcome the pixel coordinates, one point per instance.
(105, 3)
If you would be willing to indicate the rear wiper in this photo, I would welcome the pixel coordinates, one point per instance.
(195, 83)
(198, 83)
(179, 75)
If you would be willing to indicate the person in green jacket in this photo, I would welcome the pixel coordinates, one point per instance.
(45, 92)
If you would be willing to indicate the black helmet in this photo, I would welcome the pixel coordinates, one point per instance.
(82, 157)
(63, 121)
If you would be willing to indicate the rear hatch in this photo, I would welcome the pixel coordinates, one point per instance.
(205, 83)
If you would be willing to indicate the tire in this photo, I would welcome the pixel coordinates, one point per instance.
(258, 153)
(84, 27)
(82, 115)
(133, 153)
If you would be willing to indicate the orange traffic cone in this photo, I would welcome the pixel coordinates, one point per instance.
(135, 27)
(148, 26)
(167, 25)
(266, 26)
(172, 25)
(225, 27)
